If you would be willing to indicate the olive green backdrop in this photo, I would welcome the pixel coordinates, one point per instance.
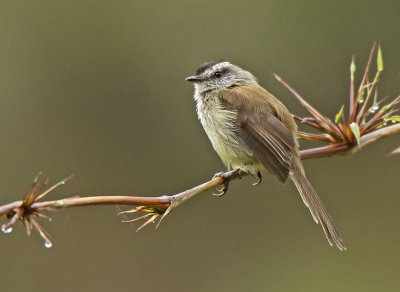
(96, 88)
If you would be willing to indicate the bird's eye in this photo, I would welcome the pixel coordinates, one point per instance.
(218, 74)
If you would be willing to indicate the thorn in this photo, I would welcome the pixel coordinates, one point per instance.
(65, 180)
(154, 217)
(52, 188)
(43, 216)
(394, 152)
(27, 226)
(137, 209)
(170, 208)
(47, 242)
(277, 77)
(137, 219)
(36, 179)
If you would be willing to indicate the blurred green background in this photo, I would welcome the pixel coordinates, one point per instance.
(96, 88)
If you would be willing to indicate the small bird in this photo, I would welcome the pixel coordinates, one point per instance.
(252, 131)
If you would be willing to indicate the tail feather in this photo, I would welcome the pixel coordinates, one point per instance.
(317, 208)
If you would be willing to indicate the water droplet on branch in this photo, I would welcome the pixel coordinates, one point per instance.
(6, 229)
(48, 244)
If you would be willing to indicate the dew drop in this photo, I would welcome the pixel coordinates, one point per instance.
(48, 244)
(361, 101)
(375, 107)
(6, 229)
(372, 111)
(384, 124)
(393, 122)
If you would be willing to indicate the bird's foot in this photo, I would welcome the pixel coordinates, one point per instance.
(259, 179)
(227, 177)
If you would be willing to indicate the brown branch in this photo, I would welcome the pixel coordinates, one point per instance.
(163, 205)
(7, 208)
(329, 150)
(378, 134)
(345, 137)
(156, 202)
(304, 154)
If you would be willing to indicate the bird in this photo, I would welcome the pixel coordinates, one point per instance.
(252, 132)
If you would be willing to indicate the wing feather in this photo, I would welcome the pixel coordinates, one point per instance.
(261, 129)
(266, 145)
(267, 132)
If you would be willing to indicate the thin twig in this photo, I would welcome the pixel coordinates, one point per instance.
(162, 203)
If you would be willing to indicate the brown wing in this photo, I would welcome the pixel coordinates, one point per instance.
(268, 133)
(263, 135)
(262, 130)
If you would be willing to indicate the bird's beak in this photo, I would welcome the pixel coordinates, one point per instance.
(195, 79)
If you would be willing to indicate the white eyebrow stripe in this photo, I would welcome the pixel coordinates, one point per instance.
(218, 66)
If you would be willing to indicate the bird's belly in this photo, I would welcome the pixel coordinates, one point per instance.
(221, 128)
(226, 146)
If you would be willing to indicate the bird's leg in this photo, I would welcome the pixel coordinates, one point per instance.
(259, 179)
(226, 176)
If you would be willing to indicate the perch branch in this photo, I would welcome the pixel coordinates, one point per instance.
(154, 207)
(345, 136)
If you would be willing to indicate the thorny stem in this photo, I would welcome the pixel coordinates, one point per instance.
(162, 203)
(344, 137)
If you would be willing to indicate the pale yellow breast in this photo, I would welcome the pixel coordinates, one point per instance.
(221, 128)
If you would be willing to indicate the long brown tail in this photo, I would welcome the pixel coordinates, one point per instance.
(317, 208)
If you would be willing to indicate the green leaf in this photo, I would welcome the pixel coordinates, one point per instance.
(339, 114)
(356, 131)
(375, 104)
(352, 68)
(277, 77)
(380, 59)
(393, 119)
